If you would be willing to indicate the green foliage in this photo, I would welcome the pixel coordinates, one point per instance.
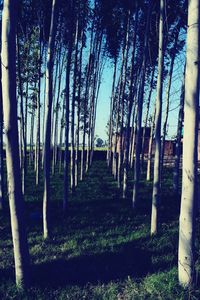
(101, 249)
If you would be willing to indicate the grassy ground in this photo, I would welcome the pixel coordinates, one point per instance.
(101, 249)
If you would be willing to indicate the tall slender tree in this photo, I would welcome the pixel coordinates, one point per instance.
(8, 59)
(176, 173)
(186, 258)
(156, 177)
(48, 102)
(139, 110)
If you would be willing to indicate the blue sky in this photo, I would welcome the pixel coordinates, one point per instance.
(103, 108)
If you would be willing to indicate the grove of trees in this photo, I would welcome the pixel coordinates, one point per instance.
(53, 57)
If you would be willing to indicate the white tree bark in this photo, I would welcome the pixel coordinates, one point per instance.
(8, 58)
(156, 178)
(2, 198)
(186, 265)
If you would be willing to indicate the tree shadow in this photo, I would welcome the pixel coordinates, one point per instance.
(103, 267)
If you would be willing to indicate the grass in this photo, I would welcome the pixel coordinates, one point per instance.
(101, 249)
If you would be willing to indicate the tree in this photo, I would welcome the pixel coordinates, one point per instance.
(8, 58)
(67, 100)
(186, 260)
(176, 173)
(139, 110)
(49, 95)
(173, 56)
(99, 143)
(156, 177)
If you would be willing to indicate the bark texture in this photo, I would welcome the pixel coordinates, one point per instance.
(8, 57)
(186, 261)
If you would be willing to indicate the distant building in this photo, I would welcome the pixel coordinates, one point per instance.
(169, 144)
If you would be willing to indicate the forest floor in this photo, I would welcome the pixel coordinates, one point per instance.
(101, 249)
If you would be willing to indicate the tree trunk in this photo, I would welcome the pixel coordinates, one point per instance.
(22, 135)
(130, 106)
(139, 112)
(156, 178)
(148, 177)
(122, 96)
(186, 259)
(78, 111)
(96, 70)
(116, 136)
(44, 114)
(31, 135)
(73, 111)
(8, 57)
(132, 141)
(37, 146)
(96, 96)
(88, 75)
(67, 100)
(48, 102)
(2, 199)
(61, 136)
(55, 142)
(110, 134)
(55, 79)
(176, 174)
(147, 116)
(168, 95)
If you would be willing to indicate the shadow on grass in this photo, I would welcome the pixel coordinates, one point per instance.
(103, 268)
